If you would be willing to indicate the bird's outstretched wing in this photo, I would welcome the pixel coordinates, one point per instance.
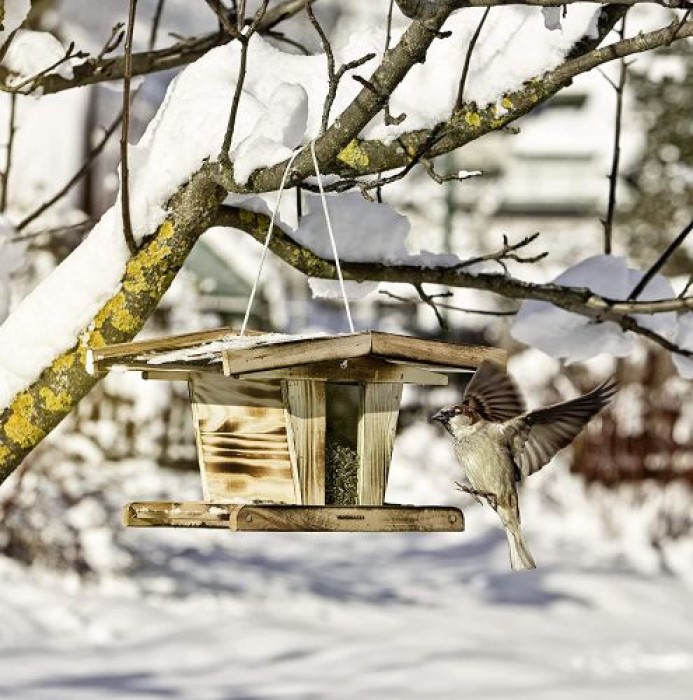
(493, 394)
(535, 437)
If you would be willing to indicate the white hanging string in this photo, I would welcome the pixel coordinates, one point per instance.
(270, 230)
(332, 240)
(268, 238)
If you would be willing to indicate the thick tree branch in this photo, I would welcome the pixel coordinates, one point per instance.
(34, 412)
(349, 157)
(410, 50)
(579, 300)
(420, 9)
(101, 69)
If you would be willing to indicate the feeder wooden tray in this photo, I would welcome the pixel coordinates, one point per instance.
(295, 433)
(284, 518)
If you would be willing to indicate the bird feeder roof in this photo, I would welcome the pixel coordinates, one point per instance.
(224, 351)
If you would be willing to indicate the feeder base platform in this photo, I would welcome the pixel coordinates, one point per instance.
(284, 518)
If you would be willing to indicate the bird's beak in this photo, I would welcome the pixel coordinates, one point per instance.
(440, 417)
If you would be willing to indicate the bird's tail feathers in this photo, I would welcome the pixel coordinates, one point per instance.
(520, 556)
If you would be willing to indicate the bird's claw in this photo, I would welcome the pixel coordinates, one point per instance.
(478, 495)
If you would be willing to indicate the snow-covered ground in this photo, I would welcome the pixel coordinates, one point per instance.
(211, 615)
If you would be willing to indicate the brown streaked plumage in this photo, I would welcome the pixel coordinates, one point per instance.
(498, 443)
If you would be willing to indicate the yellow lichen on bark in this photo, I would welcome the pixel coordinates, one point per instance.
(19, 426)
(473, 119)
(55, 400)
(136, 280)
(354, 156)
(63, 362)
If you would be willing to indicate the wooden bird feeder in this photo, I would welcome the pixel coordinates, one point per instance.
(277, 449)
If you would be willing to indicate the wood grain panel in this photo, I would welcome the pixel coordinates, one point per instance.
(271, 518)
(242, 440)
(376, 435)
(356, 369)
(434, 352)
(385, 345)
(306, 411)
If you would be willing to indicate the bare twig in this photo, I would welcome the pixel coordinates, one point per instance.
(616, 157)
(245, 41)
(430, 302)
(507, 252)
(89, 160)
(34, 81)
(224, 20)
(156, 20)
(6, 46)
(389, 119)
(333, 76)
(113, 41)
(468, 59)
(81, 227)
(124, 132)
(8, 158)
(280, 36)
(450, 307)
(687, 286)
(659, 263)
(281, 11)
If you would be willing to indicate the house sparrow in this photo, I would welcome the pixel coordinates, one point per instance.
(497, 443)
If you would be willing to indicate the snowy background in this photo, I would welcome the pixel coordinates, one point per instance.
(91, 610)
(212, 615)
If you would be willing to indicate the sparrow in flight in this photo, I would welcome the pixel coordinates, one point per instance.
(498, 443)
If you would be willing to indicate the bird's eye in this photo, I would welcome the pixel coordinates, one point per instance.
(457, 410)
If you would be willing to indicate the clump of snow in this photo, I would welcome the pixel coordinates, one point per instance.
(32, 52)
(576, 338)
(189, 129)
(364, 231)
(15, 13)
(331, 289)
(279, 129)
(513, 47)
(50, 318)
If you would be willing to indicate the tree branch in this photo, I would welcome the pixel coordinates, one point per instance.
(420, 9)
(468, 59)
(5, 179)
(371, 157)
(100, 69)
(411, 49)
(238, 90)
(579, 300)
(34, 412)
(124, 133)
(659, 263)
(616, 156)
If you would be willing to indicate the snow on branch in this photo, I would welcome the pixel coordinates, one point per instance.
(579, 300)
(101, 68)
(421, 9)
